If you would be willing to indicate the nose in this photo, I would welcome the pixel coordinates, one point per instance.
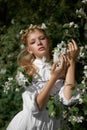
(38, 42)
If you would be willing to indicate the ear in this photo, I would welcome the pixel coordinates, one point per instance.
(28, 50)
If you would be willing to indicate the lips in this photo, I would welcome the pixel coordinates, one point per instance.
(41, 48)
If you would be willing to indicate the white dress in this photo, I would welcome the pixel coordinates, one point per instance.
(30, 118)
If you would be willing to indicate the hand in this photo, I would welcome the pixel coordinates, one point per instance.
(72, 51)
(60, 70)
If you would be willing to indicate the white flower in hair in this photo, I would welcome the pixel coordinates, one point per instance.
(31, 25)
(43, 26)
(21, 32)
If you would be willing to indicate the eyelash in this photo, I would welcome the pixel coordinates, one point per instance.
(42, 38)
(32, 42)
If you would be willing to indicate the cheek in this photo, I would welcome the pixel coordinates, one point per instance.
(30, 49)
(47, 45)
(33, 49)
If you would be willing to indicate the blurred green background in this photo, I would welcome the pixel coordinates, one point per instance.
(17, 15)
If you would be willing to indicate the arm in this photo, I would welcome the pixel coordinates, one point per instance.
(69, 85)
(43, 96)
(69, 81)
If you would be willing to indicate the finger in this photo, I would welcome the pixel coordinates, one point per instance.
(75, 45)
(54, 66)
(62, 64)
(65, 62)
(69, 50)
(65, 59)
(71, 46)
(68, 62)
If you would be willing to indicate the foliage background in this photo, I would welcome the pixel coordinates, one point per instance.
(17, 15)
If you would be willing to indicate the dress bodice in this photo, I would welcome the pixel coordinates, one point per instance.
(44, 74)
(43, 69)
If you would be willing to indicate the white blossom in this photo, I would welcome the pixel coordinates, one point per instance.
(84, 1)
(10, 79)
(85, 67)
(10, 55)
(2, 71)
(6, 86)
(17, 90)
(12, 21)
(85, 73)
(22, 46)
(83, 81)
(21, 79)
(71, 24)
(17, 36)
(85, 46)
(83, 90)
(76, 26)
(80, 100)
(82, 52)
(80, 12)
(64, 113)
(53, 114)
(43, 26)
(21, 32)
(77, 119)
(58, 51)
(31, 25)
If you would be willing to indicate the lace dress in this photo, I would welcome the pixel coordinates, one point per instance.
(31, 118)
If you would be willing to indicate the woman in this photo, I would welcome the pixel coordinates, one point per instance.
(47, 81)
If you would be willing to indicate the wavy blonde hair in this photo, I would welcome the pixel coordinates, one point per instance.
(25, 59)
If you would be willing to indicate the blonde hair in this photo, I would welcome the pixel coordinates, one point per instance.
(32, 28)
(25, 59)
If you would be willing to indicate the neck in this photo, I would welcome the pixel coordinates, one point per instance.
(46, 58)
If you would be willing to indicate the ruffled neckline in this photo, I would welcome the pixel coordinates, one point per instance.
(41, 63)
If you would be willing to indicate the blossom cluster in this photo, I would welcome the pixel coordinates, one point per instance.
(58, 51)
(21, 80)
(77, 119)
(84, 1)
(7, 85)
(73, 113)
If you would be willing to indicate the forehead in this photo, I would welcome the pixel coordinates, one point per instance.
(35, 33)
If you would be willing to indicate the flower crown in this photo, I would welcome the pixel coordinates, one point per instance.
(25, 32)
(42, 26)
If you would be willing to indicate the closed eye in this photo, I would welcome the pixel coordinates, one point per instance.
(32, 42)
(42, 38)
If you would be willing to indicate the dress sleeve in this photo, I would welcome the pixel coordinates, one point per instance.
(29, 100)
(73, 99)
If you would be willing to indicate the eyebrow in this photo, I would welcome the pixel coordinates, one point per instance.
(39, 37)
(32, 39)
